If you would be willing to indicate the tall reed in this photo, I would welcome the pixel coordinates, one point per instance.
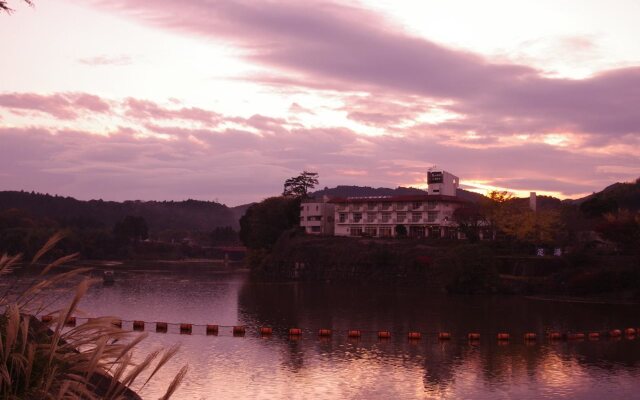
(90, 361)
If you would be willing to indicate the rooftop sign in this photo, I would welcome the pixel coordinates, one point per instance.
(435, 177)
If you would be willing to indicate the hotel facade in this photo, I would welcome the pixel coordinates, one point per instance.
(428, 215)
(421, 216)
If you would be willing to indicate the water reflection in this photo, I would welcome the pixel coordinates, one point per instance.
(279, 367)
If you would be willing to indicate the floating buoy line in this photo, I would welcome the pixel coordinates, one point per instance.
(296, 333)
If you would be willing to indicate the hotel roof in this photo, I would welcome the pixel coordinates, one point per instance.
(396, 199)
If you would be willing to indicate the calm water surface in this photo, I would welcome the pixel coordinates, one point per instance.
(227, 367)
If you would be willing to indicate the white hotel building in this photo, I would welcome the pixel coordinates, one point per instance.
(429, 215)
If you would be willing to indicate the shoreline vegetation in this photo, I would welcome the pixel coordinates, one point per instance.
(448, 266)
(51, 360)
(598, 238)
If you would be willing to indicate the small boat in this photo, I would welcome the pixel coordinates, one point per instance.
(108, 277)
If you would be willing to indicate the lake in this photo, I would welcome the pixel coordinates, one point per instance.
(228, 367)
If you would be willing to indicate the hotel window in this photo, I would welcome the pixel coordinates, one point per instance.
(385, 206)
(370, 231)
(416, 205)
(315, 229)
(401, 206)
(371, 206)
(431, 205)
(371, 217)
(416, 217)
(357, 217)
(343, 217)
(385, 232)
(401, 217)
(432, 216)
(386, 217)
(355, 231)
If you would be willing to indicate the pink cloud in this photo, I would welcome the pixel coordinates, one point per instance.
(239, 166)
(296, 108)
(59, 105)
(144, 109)
(383, 111)
(106, 60)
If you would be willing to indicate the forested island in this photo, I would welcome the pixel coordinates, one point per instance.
(592, 247)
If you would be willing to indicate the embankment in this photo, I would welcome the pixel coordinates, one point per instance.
(452, 266)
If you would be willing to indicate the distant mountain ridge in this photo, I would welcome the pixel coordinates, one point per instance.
(364, 191)
(196, 215)
(191, 215)
(620, 195)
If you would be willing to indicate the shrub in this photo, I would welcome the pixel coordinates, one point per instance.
(469, 269)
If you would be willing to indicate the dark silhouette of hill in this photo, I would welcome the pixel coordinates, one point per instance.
(190, 215)
(620, 195)
(239, 211)
(364, 191)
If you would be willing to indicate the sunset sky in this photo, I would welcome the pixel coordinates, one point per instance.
(224, 100)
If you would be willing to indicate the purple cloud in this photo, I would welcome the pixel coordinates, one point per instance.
(349, 48)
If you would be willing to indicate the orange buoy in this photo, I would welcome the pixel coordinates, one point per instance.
(162, 327)
(384, 334)
(630, 331)
(615, 333)
(266, 331)
(324, 332)
(71, 321)
(239, 330)
(46, 318)
(594, 335)
(554, 335)
(354, 333)
(414, 335)
(295, 332)
(473, 336)
(444, 336)
(530, 336)
(211, 329)
(186, 329)
(138, 325)
(503, 336)
(575, 336)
